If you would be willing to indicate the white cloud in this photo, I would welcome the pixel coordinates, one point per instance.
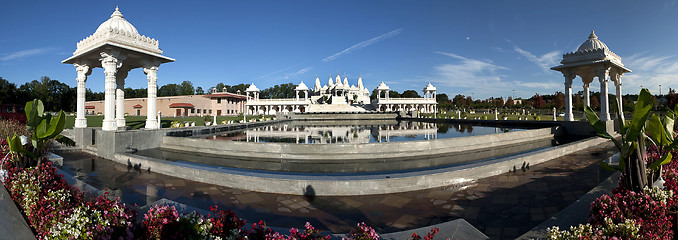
(364, 44)
(467, 76)
(546, 61)
(24, 53)
(284, 74)
(297, 73)
(649, 71)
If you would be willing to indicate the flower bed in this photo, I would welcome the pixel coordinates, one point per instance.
(632, 215)
(56, 210)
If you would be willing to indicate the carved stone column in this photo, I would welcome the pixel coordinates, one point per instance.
(568, 95)
(602, 75)
(111, 60)
(120, 97)
(151, 71)
(587, 80)
(616, 78)
(83, 71)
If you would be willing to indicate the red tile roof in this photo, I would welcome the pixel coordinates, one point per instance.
(181, 105)
(137, 106)
(89, 107)
(225, 94)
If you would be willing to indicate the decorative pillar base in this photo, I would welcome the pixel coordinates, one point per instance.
(80, 122)
(151, 124)
(109, 125)
(120, 122)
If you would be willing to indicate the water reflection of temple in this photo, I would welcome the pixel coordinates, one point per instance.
(338, 133)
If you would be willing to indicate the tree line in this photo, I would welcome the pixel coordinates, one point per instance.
(57, 95)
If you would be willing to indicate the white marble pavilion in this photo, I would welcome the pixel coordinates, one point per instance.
(592, 59)
(338, 96)
(117, 47)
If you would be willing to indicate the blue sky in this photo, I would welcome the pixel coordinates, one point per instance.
(479, 48)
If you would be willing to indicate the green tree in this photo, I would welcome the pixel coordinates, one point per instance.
(559, 100)
(169, 90)
(410, 94)
(285, 90)
(199, 91)
(459, 100)
(186, 88)
(8, 91)
(93, 96)
(442, 98)
(240, 87)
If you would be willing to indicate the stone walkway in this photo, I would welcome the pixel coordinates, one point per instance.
(502, 207)
(12, 222)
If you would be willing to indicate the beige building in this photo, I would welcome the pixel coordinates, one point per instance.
(219, 103)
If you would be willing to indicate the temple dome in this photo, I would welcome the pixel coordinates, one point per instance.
(591, 44)
(117, 22)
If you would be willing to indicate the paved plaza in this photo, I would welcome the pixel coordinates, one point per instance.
(503, 206)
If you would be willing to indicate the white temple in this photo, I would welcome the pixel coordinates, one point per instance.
(117, 47)
(338, 96)
(592, 59)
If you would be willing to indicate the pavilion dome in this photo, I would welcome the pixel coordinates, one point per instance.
(117, 22)
(252, 88)
(382, 86)
(591, 44)
(301, 87)
(430, 87)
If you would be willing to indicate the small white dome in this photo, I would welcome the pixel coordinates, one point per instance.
(252, 88)
(591, 44)
(430, 87)
(117, 22)
(382, 86)
(301, 87)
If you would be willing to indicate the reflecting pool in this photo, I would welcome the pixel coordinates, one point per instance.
(353, 132)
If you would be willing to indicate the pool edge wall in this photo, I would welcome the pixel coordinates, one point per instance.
(348, 185)
(353, 152)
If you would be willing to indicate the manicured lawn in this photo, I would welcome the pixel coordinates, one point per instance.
(137, 122)
(490, 116)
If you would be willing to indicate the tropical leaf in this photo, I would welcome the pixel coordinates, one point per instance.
(32, 119)
(661, 161)
(656, 130)
(40, 107)
(640, 114)
(57, 125)
(670, 126)
(598, 125)
(64, 140)
(608, 167)
(15, 143)
(41, 131)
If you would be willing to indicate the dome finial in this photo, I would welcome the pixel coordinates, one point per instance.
(116, 13)
(593, 35)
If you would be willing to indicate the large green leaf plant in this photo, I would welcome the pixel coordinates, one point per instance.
(43, 128)
(641, 130)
